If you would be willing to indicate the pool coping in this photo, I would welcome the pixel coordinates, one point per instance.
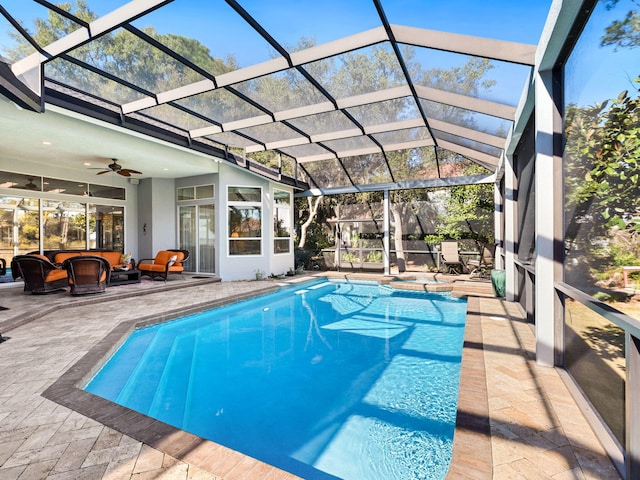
(472, 454)
(471, 459)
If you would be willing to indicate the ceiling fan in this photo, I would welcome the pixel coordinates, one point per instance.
(117, 168)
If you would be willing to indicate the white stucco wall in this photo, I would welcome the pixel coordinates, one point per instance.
(157, 216)
(242, 267)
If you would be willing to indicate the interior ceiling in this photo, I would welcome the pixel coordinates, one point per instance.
(340, 97)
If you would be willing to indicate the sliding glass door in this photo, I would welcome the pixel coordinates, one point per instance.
(197, 234)
(206, 238)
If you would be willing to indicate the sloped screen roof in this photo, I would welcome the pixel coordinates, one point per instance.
(334, 95)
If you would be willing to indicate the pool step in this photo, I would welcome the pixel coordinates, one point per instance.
(138, 391)
(170, 398)
(109, 383)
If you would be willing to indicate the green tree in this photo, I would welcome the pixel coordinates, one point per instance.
(623, 33)
(128, 57)
(469, 213)
(602, 176)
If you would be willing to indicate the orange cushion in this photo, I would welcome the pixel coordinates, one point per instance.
(154, 267)
(112, 257)
(162, 257)
(43, 257)
(61, 257)
(54, 275)
(151, 267)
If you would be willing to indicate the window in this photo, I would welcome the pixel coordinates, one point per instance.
(103, 191)
(60, 225)
(245, 194)
(281, 221)
(19, 226)
(54, 185)
(199, 192)
(601, 205)
(204, 191)
(186, 193)
(106, 227)
(64, 225)
(245, 220)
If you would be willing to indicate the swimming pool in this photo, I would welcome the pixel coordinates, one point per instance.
(326, 380)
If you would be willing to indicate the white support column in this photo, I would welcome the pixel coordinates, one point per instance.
(510, 227)
(548, 212)
(386, 254)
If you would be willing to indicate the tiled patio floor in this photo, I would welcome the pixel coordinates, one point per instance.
(536, 430)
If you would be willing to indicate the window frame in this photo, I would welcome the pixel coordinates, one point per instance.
(276, 208)
(239, 204)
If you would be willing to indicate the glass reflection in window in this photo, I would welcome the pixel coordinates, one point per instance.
(281, 221)
(245, 220)
(106, 227)
(19, 226)
(63, 225)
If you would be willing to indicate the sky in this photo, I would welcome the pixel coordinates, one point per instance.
(595, 73)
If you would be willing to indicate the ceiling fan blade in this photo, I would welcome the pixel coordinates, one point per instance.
(133, 171)
(103, 172)
(124, 173)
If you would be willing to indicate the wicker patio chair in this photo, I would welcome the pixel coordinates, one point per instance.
(166, 262)
(39, 274)
(87, 274)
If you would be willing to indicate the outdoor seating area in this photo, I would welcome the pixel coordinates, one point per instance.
(90, 271)
(450, 257)
(114, 258)
(39, 274)
(481, 267)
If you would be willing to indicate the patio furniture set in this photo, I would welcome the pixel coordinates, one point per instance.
(91, 271)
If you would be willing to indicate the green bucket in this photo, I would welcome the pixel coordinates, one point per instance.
(498, 279)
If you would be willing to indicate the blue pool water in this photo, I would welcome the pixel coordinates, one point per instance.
(6, 278)
(326, 380)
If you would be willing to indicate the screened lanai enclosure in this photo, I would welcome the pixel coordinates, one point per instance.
(387, 103)
(349, 231)
(367, 132)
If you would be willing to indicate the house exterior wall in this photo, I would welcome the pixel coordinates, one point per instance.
(242, 267)
(150, 207)
(157, 207)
